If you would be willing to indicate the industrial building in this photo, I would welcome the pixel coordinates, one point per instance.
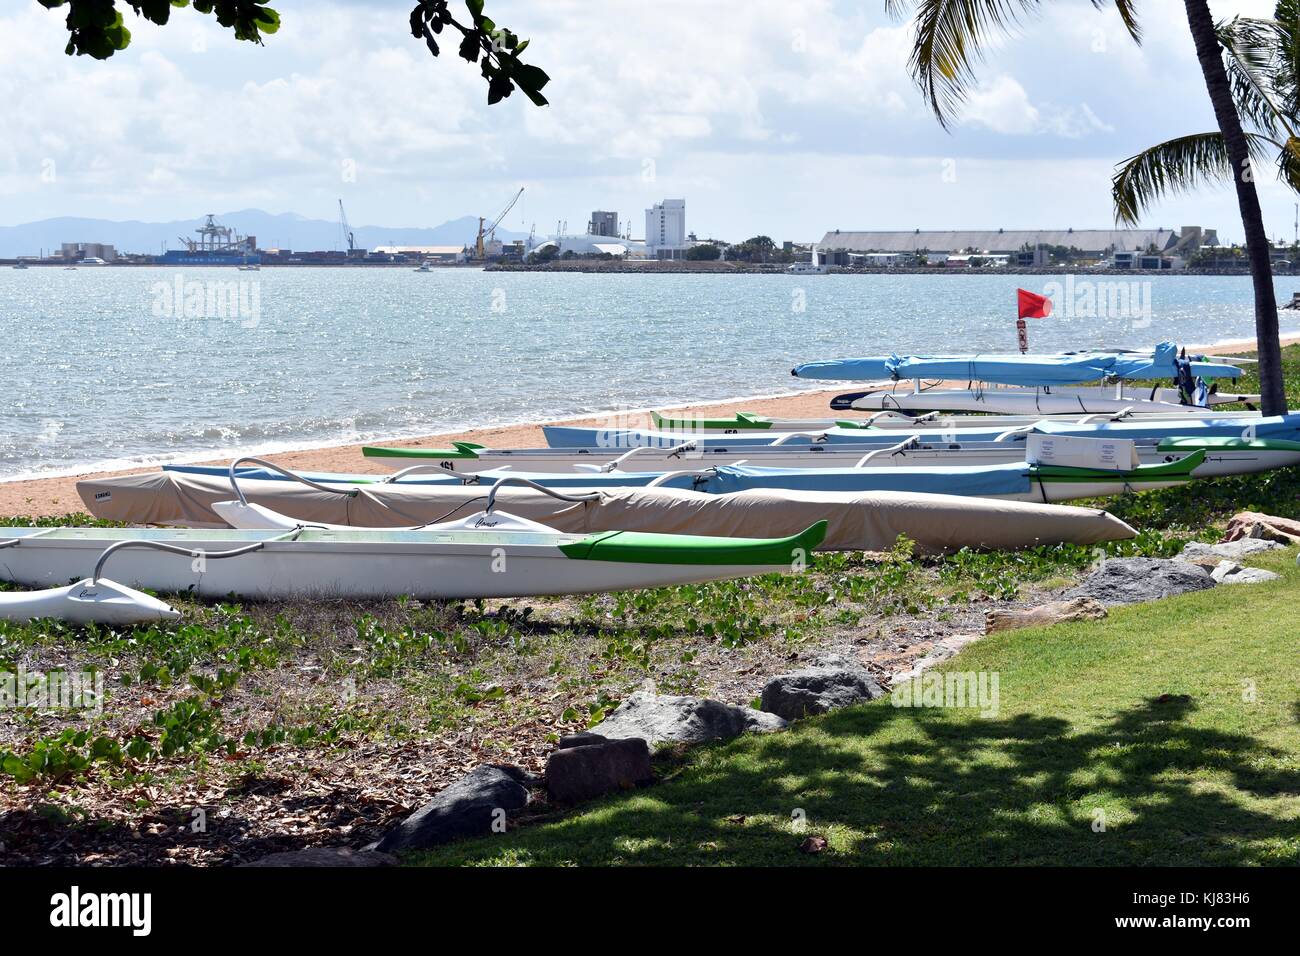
(1023, 247)
(603, 223)
(665, 230)
(591, 245)
(76, 251)
(427, 253)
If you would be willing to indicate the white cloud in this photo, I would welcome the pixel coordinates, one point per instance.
(1003, 106)
(753, 111)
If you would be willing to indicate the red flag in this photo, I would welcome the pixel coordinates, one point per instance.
(1032, 305)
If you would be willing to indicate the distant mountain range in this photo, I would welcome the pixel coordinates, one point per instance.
(285, 231)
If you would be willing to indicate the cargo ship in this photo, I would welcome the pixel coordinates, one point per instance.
(217, 245)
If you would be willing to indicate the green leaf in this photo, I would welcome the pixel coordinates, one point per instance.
(530, 77)
(469, 47)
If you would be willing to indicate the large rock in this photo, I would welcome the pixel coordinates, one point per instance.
(818, 690)
(593, 769)
(1077, 609)
(468, 807)
(1133, 580)
(1230, 572)
(689, 720)
(1231, 550)
(1252, 524)
(325, 856)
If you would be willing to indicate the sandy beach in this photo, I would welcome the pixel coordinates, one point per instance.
(45, 497)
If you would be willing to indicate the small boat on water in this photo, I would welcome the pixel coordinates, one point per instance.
(20, 265)
(424, 267)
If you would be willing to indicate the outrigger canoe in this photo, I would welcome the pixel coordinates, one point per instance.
(1224, 456)
(1066, 368)
(483, 556)
(858, 521)
(1038, 401)
(975, 428)
(749, 424)
(1012, 481)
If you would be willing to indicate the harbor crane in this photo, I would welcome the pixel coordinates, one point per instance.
(487, 231)
(345, 231)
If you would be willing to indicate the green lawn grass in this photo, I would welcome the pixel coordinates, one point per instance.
(1168, 734)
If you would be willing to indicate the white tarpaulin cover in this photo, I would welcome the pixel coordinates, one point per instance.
(858, 521)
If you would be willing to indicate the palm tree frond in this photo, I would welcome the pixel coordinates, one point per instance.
(1252, 48)
(1127, 13)
(951, 36)
(1288, 163)
(1176, 165)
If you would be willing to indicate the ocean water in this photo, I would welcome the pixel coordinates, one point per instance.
(108, 367)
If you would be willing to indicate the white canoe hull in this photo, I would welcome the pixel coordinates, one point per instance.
(354, 565)
(895, 420)
(1009, 401)
(562, 461)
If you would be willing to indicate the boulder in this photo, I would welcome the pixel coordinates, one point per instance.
(1133, 580)
(468, 807)
(583, 738)
(1232, 550)
(689, 720)
(1077, 609)
(1230, 572)
(323, 856)
(1252, 524)
(818, 690)
(594, 769)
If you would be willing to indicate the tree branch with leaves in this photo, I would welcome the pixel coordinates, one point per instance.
(98, 29)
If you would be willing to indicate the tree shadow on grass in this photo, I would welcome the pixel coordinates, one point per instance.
(903, 786)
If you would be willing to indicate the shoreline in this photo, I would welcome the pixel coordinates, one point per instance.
(57, 494)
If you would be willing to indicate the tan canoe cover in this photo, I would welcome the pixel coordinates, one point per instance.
(870, 521)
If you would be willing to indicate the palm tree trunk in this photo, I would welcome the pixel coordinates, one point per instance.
(1271, 386)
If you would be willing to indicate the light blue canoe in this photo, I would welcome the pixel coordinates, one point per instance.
(1012, 369)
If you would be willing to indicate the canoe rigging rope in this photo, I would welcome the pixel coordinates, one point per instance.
(234, 482)
(516, 480)
(185, 552)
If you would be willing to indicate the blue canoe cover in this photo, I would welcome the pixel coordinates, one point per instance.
(1012, 369)
(984, 481)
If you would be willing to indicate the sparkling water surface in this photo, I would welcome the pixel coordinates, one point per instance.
(106, 367)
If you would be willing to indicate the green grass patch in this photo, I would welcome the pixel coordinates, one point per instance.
(1168, 734)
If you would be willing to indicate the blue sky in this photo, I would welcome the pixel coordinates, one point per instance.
(767, 116)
